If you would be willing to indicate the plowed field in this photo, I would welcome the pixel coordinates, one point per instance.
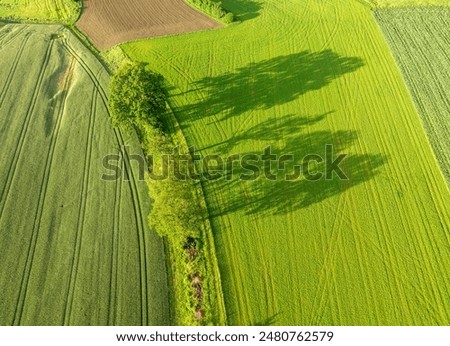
(109, 23)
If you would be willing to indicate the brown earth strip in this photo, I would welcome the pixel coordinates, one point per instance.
(109, 23)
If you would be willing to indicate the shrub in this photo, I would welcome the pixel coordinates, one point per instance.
(137, 95)
(228, 18)
(213, 8)
(175, 211)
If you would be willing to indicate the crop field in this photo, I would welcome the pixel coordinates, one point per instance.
(408, 3)
(109, 23)
(75, 249)
(420, 41)
(47, 10)
(298, 75)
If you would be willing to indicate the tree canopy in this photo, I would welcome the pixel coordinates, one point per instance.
(137, 94)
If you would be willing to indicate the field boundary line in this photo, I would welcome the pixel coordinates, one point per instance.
(417, 102)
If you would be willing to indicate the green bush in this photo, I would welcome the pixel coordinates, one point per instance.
(175, 211)
(228, 18)
(137, 95)
(213, 8)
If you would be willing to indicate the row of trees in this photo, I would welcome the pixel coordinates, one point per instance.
(138, 100)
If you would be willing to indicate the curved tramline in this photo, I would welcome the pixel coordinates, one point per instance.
(140, 229)
(80, 245)
(42, 196)
(115, 254)
(132, 184)
(25, 128)
(82, 212)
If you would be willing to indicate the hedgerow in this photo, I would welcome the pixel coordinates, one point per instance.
(138, 100)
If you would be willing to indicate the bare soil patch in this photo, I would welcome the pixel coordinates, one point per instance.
(108, 23)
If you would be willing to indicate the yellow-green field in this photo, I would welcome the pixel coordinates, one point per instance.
(75, 249)
(42, 10)
(298, 75)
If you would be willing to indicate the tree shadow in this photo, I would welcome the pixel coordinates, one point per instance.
(268, 83)
(278, 195)
(269, 129)
(244, 9)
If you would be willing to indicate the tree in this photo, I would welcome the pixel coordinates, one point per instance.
(137, 95)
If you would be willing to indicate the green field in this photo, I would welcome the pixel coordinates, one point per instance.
(74, 249)
(420, 41)
(298, 75)
(41, 10)
(408, 3)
